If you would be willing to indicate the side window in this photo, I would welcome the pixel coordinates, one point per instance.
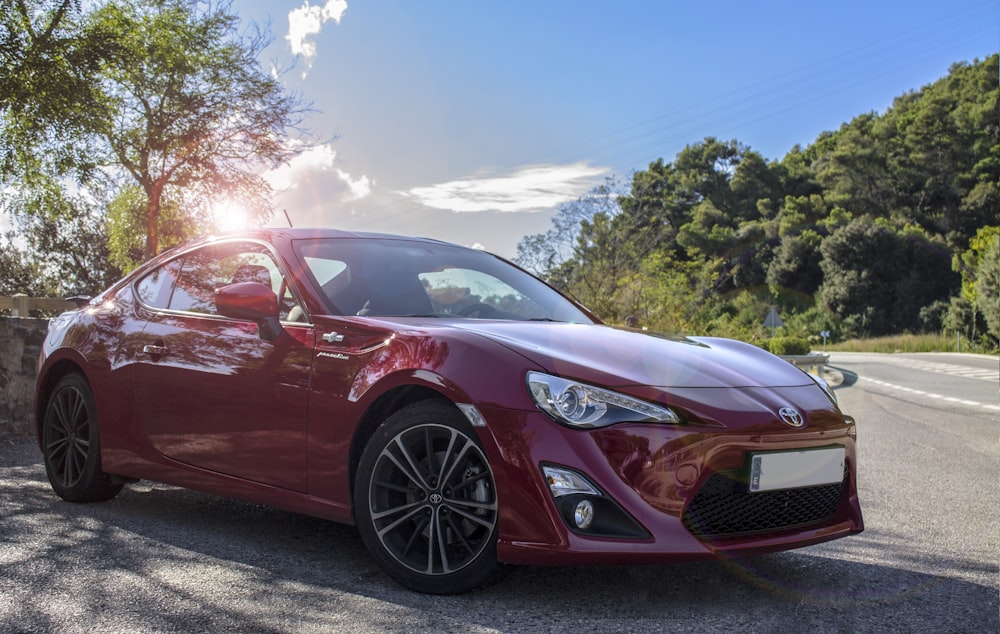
(155, 288)
(221, 265)
(334, 278)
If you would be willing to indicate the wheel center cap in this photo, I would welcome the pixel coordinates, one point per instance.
(436, 498)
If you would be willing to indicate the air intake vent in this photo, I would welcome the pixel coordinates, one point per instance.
(724, 507)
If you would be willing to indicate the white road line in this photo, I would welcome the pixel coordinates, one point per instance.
(910, 390)
(943, 368)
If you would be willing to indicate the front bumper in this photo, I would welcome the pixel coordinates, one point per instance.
(684, 485)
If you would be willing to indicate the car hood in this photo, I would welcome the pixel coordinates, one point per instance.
(617, 357)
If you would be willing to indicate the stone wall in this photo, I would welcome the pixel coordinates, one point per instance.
(20, 341)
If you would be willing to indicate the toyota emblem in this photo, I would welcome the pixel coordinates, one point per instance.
(791, 416)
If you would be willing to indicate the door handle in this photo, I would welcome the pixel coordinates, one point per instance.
(155, 351)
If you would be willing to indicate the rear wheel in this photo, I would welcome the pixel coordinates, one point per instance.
(425, 501)
(71, 445)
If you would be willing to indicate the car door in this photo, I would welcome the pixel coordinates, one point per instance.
(210, 392)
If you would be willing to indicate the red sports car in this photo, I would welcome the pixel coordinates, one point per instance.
(460, 412)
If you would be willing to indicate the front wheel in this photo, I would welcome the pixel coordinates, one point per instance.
(425, 501)
(71, 444)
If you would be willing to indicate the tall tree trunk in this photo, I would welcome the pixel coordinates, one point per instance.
(153, 219)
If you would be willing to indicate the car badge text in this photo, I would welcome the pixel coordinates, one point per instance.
(334, 355)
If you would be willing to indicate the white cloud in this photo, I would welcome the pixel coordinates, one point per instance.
(307, 21)
(531, 188)
(313, 179)
(315, 159)
(359, 188)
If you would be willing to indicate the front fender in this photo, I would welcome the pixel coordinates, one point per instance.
(384, 379)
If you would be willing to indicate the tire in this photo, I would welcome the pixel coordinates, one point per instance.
(425, 501)
(71, 444)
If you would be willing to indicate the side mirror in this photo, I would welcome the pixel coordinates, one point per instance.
(252, 301)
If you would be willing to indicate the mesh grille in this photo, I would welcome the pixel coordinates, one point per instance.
(724, 507)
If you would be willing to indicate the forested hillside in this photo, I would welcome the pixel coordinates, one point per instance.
(890, 224)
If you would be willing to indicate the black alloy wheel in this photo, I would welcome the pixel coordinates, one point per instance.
(426, 503)
(71, 445)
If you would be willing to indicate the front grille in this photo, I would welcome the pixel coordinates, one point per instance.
(724, 507)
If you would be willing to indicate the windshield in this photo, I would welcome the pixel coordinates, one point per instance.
(387, 277)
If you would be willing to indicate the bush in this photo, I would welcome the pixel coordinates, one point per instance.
(786, 346)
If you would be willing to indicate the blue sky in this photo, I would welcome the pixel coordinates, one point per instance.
(471, 121)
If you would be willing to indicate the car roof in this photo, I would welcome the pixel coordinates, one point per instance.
(272, 235)
(298, 233)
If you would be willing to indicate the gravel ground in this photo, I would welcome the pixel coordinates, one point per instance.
(163, 559)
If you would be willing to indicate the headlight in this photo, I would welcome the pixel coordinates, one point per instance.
(582, 405)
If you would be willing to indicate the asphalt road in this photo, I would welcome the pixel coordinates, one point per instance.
(162, 559)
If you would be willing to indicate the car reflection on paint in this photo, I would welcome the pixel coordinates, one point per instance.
(463, 414)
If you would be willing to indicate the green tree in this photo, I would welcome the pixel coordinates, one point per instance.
(753, 249)
(988, 276)
(49, 88)
(852, 234)
(604, 262)
(544, 253)
(946, 153)
(860, 267)
(877, 280)
(65, 248)
(71, 253)
(796, 264)
(795, 172)
(980, 288)
(925, 277)
(190, 112)
(710, 232)
(18, 273)
(932, 159)
(178, 105)
(126, 229)
(651, 212)
(853, 172)
(967, 262)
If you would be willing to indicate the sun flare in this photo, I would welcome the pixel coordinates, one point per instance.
(231, 216)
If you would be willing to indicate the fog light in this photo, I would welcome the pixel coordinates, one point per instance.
(583, 515)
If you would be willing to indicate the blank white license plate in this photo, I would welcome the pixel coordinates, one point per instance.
(796, 469)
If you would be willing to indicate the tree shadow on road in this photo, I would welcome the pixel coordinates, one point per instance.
(164, 558)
